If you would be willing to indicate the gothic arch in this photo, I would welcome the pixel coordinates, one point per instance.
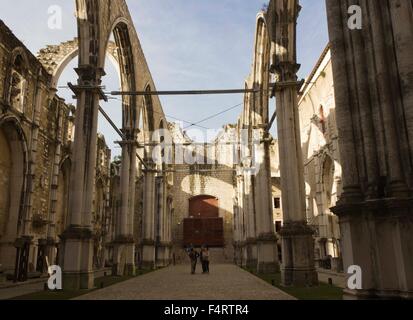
(148, 111)
(261, 70)
(16, 80)
(327, 171)
(97, 21)
(55, 58)
(15, 144)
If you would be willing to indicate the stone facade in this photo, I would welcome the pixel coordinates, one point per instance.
(373, 75)
(36, 134)
(211, 174)
(344, 147)
(322, 168)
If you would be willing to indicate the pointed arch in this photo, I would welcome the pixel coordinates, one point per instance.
(261, 71)
(14, 173)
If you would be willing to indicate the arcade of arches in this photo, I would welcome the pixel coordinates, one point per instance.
(335, 189)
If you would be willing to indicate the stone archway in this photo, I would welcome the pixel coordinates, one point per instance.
(96, 22)
(275, 59)
(260, 241)
(56, 58)
(13, 167)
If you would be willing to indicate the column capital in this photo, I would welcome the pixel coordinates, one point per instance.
(148, 242)
(126, 142)
(286, 72)
(294, 228)
(77, 232)
(267, 237)
(20, 242)
(150, 166)
(123, 239)
(90, 74)
(240, 177)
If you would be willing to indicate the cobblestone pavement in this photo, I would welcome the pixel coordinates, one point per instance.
(226, 282)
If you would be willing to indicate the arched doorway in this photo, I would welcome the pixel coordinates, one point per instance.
(5, 173)
(12, 178)
(204, 226)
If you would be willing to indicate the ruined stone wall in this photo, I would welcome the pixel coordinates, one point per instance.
(213, 175)
(188, 184)
(322, 168)
(36, 133)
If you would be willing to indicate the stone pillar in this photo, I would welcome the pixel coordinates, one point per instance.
(168, 223)
(372, 71)
(238, 208)
(267, 250)
(241, 219)
(251, 239)
(163, 245)
(124, 244)
(298, 267)
(148, 242)
(77, 239)
(236, 226)
(51, 231)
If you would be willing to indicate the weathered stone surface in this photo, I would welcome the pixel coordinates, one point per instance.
(225, 282)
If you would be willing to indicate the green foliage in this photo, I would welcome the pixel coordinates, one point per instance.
(321, 292)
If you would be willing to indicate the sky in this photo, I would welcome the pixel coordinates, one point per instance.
(188, 44)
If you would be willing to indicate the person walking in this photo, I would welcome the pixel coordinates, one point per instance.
(205, 259)
(193, 256)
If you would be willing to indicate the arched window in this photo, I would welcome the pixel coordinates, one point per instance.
(328, 180)
(322, 119)
(17, 86)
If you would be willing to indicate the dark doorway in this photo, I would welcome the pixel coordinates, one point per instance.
(203, 207)
(204, 226)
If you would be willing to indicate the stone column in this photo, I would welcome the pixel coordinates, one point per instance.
(267, 251)
(148, 242)
(77, 239)
(241, 220)
(236, 226)
(124, 244)
(169, 213)
(371, 68)
(51, 231)
(251, 239)
(298, 267)
(235, 222)
(162, 259)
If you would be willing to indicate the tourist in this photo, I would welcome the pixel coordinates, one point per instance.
(205, 259)
(193, 255)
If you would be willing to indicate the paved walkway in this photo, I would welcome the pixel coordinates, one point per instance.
(9, 291)
(226, 282)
